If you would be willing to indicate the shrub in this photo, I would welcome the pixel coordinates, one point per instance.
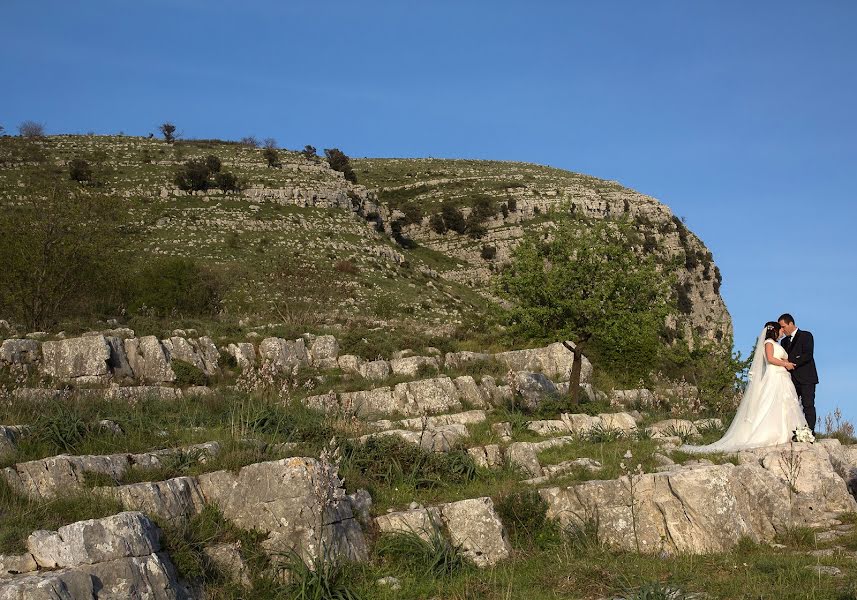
(504, 209)
(524, 513)
(227, 182)
(270, 143)
(213, 163)
(683, 299)
(31, 129)
(272, 157)
(192, 176)
(345, 266)
(188, 374)
(452, 217)
(437, 223)
(168, 130)
(513, 204)
(250, 141)
(79, 170)
(176, 285)
(309, 152)
(339, 161)
(475, 227)
(413, 213)
(488, 252)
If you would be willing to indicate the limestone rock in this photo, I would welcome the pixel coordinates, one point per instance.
(20, 352)
(324, 351)
(460, 360)
(368, 402)
(426, 396)
(432, 439)
(375, 369)
(488, 457)
(549, 427)
(621, 421)
(97, 540)
(173, 499)
(201, 353)
(533, 388)
(350, 363)
(148, 360)
(279, 355)
(142, 393)
(422, 522)
(410, 366)
(628, 398)
(76, 358)
(470, 417)
(554, 361)
(15, 564)
(474, 525)
(227, 559)
(244, 354)
(674, 427)
(118, 363)
(9, 435)
(471, 393)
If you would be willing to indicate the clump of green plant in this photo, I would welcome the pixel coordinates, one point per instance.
(435, 557)
(254, 415)
(389, 460)
(524, 514)
(188, 374)
(59, 428)
(177, 286)
(320, 580)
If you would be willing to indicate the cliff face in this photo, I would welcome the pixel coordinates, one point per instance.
(526, 197)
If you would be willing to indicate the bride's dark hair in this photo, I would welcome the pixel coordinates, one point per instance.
(772, 330)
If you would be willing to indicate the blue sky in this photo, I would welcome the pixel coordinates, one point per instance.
(738, 115)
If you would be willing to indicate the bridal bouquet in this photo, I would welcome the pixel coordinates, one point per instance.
(803, 434)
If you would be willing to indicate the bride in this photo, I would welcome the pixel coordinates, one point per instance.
(770, 410)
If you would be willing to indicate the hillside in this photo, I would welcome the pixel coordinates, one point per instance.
(304, 240)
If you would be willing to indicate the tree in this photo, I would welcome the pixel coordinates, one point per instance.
(453, 218)
(213, 163)
(31, 129)
(226, 181)
(168, 130)
(79, 170)
(249, 141)
(272, 157)
(309, 151)
(52, 248)
(270, 143)
(339, 161)
(587, 285)
(192, 176)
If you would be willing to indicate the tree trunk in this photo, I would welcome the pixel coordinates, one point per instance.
(574, 379)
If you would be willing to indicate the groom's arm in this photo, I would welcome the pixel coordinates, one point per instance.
(807, 347)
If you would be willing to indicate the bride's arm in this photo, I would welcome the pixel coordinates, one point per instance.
(769, 354)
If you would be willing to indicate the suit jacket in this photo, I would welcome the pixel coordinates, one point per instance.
(800, 351)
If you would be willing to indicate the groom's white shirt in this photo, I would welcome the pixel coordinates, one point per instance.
(792, 336)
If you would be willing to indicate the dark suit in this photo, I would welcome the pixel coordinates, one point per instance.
(804, 376)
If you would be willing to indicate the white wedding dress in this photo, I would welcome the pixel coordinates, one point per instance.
(770, 410)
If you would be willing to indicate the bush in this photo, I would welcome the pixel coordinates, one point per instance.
(413, 213)
(213, 163)
(524, 513)
(309, 152)
(452, 217)
(345, 266)
(227, 182)
(339, 161)
(513, 204)
(176, 285)
(188, 374)
(192, 176)
(31, 129)
(250, 141)
(79, 171)
(272, 157)
(168, 130)
(683, 299)
(488, 252)
(437, 223)
(475, 226)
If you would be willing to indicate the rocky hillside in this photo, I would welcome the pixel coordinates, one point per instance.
(300, 236)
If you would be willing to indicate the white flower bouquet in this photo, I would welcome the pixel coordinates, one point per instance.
(803, 434)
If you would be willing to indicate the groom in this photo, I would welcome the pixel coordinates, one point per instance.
(799, 344)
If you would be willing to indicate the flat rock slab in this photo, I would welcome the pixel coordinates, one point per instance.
(75, 358)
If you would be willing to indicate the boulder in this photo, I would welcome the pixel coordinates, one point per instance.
(148, 360)
(142, 393)
(15, 564)
(20, 352)
(175, 499)
(279, 355)
(459, 360)
(96, 540)
(324, 351)
(375, 369)
(290, 510)
(9, 435)
(227, 559)
(622, 422)
(39, 395)
(554, 361)
(549, 427)
(629, 398)
(533, 388)
(579, 424)
(350, 363)
(432, 439)
(118, 363)
(422, 522)
(412, 365)
(475, 527)
(487, 457)
(470, 417)
(426, 396)
(368, 402)
(76, 359)
(201, 353)
(244, 354)
(495, 394)
(471, 394)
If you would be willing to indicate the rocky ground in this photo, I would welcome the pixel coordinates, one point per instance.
(177, 467)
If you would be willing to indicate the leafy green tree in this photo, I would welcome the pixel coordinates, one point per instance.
(53, 246)
(227, 182)
(339, 161)
(586, 284)
(79, 170)
(453, 218)
(272, 157)
(168, 130)
(213, 163)
(309, 151)
(192, 176)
